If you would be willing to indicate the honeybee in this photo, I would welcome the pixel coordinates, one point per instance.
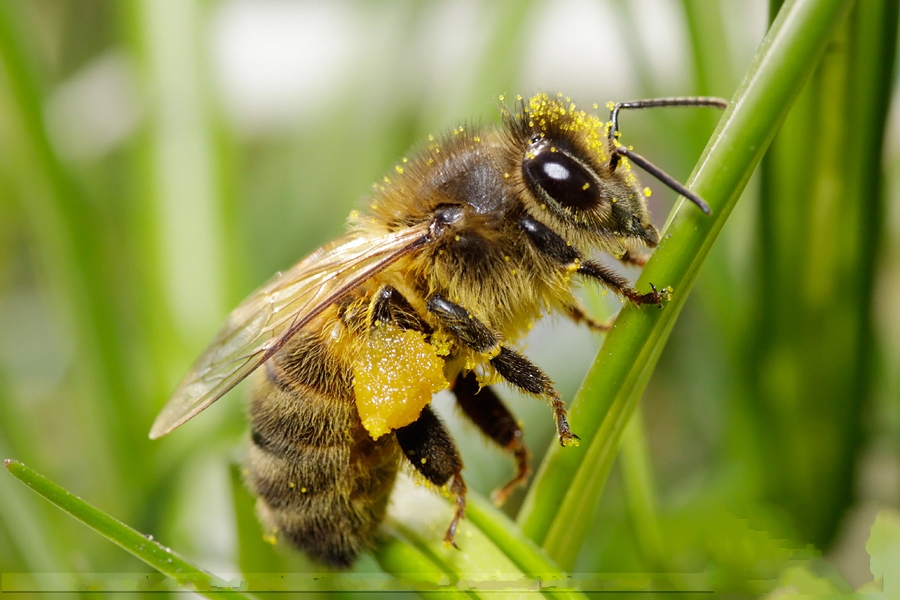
(459, 250)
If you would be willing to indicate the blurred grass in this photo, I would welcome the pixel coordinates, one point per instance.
(116, 268)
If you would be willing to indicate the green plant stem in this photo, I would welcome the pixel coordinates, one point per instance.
(637, 479)
(146, 549)
(568, 485)
(527, 555)
(810, 370)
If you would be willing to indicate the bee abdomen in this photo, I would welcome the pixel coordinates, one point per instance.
(322, 482)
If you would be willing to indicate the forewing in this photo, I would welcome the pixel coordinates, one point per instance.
(262, 324)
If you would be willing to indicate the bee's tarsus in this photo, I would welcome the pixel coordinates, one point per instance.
(651, 297)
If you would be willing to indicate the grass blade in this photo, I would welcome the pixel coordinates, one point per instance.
(559, 505)
(146, 549)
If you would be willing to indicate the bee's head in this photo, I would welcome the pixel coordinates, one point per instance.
(568, 174)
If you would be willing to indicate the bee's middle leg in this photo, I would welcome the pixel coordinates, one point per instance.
(430, 449)
(511, 365)
(486, 410)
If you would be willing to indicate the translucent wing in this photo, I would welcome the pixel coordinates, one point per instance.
(262, 324)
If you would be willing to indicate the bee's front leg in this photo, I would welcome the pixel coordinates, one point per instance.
(430, 449)
(552, 245)
(511, 365)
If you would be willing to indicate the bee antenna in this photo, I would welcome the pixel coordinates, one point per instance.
(659, 102)
(664, 177)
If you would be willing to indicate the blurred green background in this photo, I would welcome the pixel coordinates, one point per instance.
(160, 159)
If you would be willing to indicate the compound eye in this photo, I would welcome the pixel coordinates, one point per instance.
(562, 178)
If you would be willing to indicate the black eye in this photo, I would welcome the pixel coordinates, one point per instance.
(562, 178)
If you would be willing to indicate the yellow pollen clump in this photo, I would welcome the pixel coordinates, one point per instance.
(394, 379)
(586, 186)
(292, 485)
(399, 169)
(303, 490)
(647, 192)
(424, 460)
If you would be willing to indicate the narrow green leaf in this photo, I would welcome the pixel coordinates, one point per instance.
(486, 561)
(143, 547)
(507, 536)
(567, 487)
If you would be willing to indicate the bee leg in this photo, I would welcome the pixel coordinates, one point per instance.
(512, 366)
(635, 259)
(486, 410)
(619, 284)
(389, 306)
(552, 245)
(577, 313)
(430, 449)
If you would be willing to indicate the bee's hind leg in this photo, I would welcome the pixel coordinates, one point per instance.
(429, 447)
(486, 410)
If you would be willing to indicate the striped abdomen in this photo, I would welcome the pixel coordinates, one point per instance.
(322, 482)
